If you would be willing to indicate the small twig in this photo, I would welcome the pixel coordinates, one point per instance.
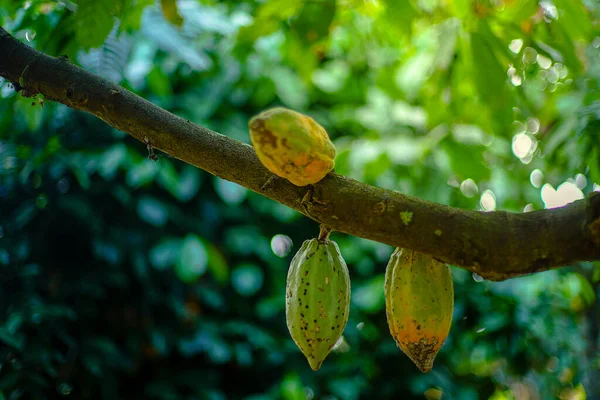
(151, 154)
(324, 233)
(307, 200)
(269, 183)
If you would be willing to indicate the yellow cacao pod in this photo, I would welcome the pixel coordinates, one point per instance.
(419, 300)
(317, 299)
(292, 145)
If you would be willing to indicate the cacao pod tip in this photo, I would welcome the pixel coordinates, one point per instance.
(422, 354)
(315, 364)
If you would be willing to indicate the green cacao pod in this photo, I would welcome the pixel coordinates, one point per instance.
(317, 299)
(292, 145)
(419, 300)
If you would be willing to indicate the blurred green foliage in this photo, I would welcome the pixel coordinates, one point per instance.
(121, 277)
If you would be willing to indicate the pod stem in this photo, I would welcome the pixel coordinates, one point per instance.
(324, 233)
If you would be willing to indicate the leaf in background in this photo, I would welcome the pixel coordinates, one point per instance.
(247, 279)
(559, 135)
(94, 21)
(573, 16)
(290, 89)
(183, 185)
(415, 71)
(169, 9)
(157, 29)
(192, 261)
(216, 263)
(463, 8)
(190, 180)
(141, 173)
(165, 253)
(231, 193)
(30, 111)
(560, 40)
(312, 24)
(399, 16)
(594, 164)
(447, 35)
(268, 19)
(111, 160)
(369, 297)
(332, 76)
(12, 339)
(490, 79)
(131, 17)
(466, 161)
(301, 57)
(152, 211)
(376, 167)
(292, 388)
(110, 59)
(158, 82)
(517, 11)
(342, 162)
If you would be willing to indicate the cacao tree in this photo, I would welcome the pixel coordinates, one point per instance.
(135, 260)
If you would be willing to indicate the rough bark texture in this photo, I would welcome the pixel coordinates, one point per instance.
(496, 245)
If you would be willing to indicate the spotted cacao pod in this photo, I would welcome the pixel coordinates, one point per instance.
(317, 299)
(292, 145)
(419, 299)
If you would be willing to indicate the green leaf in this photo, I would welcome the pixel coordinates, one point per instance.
(517, 11)
(94, 21)
(573, 16)
(314, 20)
(131, 16)
(594, 164)
(216, 263)
(342, 162)
(31, 112)
(463, 8)
(290, 89)
(247, 279)
(15, 340)
(490, 80)
(111, 160)
(192, 259)
(292, 388)
(182, 186)
(466, 161)
(399, 16)
(158, 82)
(152, 211)
(268, 19)
(141, 173)
(169, 9)
(231, 193)
(165, 253)
(369, 296)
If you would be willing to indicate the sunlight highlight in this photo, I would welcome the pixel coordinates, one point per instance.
(488, 201)
(523, 146)
(566, 193)
(469, 188)
(536, 178)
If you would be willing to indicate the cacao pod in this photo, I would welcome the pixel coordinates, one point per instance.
(317, 299)
(419, 300)
(292, 145)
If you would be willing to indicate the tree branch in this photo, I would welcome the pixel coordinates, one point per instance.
(496, 245)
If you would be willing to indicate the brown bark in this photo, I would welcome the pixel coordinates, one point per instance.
(496, 245)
